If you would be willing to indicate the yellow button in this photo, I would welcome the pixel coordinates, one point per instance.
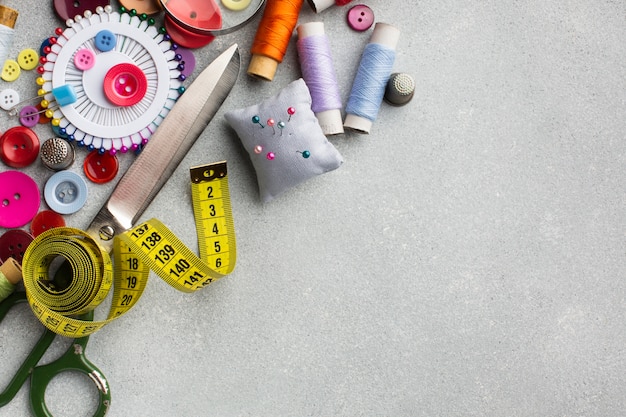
(236, 5)
(28, 59)
(10, 70)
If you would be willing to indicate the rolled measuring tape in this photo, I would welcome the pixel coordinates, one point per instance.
(67, 273)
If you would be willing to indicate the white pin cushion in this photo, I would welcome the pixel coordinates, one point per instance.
(284, 140)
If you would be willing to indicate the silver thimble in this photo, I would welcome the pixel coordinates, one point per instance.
(57, 154)
(400, 88)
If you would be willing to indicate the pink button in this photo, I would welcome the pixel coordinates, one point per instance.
(84, 59)
(125, 84)
(360, 17)
(19, 199)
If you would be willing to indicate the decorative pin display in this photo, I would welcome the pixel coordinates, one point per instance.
(122, 88)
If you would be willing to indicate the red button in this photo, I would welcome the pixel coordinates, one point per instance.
(13, 244)
(360, 17)
(199, 14)
(183, 37)
(125, 84)
(19, 147)
(19, 199)
(68, 9)
(100, 168)
(46, 220)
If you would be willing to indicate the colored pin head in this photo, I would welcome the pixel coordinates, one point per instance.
(290, 111)
(281, 125)
(305, 154)
(257, 120)
(271, 122)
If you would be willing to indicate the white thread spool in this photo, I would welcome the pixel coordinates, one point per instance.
(8, 17)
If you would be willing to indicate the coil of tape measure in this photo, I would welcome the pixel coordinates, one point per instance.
(83, 280)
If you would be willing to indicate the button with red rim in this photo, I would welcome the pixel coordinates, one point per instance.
(100, 167)
(19, 199)
(360, 17)
(199, 14)
(19, 147)
(184, 37)
(46, 220)
(84, 59)
(13, 244)
(125, 84)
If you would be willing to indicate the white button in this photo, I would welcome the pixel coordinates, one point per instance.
(9, 98)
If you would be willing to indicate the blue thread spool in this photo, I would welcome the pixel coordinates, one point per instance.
(368, 88)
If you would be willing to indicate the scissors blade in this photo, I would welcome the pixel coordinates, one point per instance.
(168, 145)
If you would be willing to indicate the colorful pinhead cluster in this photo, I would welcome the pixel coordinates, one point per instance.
(281, 125)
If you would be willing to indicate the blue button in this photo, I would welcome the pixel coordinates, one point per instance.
(45, 44)
(65, 192)
(105, 40)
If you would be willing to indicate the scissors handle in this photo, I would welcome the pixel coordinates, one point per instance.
(72, 360)
(33, 357)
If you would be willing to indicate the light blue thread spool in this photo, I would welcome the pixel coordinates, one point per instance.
(368, 88)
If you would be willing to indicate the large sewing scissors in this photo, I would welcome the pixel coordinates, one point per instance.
(131, 196)
(73, 359)
(168, 145)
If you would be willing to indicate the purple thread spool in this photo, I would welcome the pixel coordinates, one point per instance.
(318, 73)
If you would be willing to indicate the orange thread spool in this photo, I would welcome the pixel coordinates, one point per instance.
(272, 37)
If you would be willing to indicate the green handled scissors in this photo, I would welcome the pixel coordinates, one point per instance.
(40, 376)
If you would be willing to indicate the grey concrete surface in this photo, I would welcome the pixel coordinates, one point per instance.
(466, 260)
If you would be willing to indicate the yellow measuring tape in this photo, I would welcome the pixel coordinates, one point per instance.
(90, 273)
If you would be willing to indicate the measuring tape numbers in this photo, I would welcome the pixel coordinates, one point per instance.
(67, 273)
